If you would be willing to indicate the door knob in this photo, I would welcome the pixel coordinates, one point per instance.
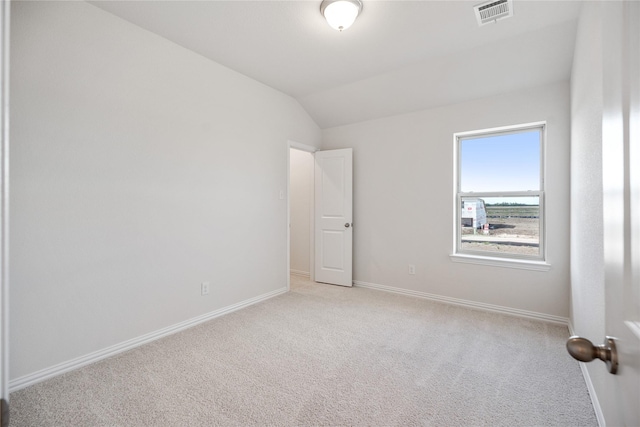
(583, 350)
(347, 225)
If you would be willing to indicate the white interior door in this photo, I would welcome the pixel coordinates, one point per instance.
(334, 216)
(621, 185)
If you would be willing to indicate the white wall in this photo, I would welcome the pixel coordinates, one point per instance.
(587, 250)
(138, 170)
(300, 193)
(403, 201)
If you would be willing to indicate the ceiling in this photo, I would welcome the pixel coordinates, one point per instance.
(399, 56)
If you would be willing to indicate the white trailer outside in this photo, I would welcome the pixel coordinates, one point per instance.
(474, 213)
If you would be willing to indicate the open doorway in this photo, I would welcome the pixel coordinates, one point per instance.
(300, 211)
(320, 213)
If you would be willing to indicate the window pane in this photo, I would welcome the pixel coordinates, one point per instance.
(507, 225)
(509, 162)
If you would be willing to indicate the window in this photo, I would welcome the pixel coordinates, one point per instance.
(499, 195)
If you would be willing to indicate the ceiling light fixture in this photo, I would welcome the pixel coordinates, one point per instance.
(340, 14)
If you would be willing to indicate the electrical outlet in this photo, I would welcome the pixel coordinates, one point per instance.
(412, 269)
(204, 288)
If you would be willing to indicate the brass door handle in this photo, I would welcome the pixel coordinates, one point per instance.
(583, 350)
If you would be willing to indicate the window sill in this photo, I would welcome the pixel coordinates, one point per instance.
(522, 264)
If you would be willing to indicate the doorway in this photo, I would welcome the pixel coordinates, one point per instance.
(320, 213)
(300, 239)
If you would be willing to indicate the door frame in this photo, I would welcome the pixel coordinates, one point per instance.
(4, 211)
(309, 149)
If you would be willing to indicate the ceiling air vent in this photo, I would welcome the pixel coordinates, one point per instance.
(491, 11)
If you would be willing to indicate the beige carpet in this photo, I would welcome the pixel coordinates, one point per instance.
(326, 355)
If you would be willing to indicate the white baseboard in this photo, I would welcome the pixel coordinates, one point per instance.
(469, 304)
(300, 273)
(59, 369)
(592, 390)
(592, 394)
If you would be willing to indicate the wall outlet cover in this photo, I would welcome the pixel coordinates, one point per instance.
(204, 288)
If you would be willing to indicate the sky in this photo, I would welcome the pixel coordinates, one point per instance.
(508, 162)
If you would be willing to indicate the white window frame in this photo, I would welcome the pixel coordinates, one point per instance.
(529, 262)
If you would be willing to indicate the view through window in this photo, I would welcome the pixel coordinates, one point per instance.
(500, 193)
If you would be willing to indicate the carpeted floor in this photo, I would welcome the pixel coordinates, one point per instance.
(327, 355)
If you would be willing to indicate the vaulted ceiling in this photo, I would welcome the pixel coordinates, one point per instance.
(399, 56)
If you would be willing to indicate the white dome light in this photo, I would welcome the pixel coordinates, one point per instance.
(340, 14)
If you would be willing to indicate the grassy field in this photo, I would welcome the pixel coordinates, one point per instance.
(513, 211)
